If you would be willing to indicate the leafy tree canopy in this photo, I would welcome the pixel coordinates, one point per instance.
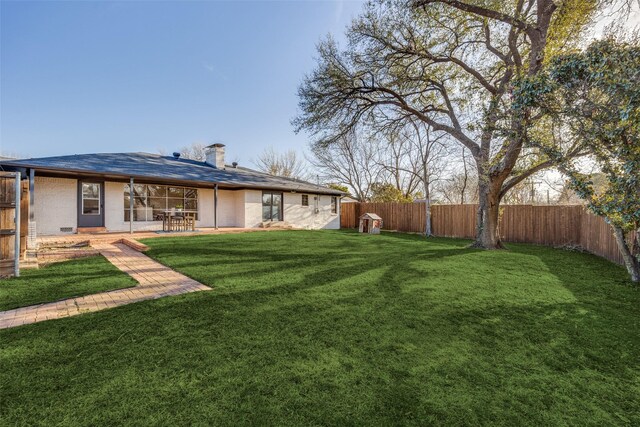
(339, 187)
(595, 96)
(385, 192)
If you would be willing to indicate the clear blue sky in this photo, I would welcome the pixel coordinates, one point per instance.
(97, 76)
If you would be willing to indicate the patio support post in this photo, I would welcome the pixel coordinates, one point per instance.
(32, 177)
(131, 205)
(16, 265)
(31, 226)
(215, 207)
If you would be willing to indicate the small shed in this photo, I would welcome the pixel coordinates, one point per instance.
(370, 223)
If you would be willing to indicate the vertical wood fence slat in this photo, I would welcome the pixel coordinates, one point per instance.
(7, 225)
(554, 226)
(7, 212)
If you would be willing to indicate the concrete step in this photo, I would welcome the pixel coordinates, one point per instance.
(91, 230)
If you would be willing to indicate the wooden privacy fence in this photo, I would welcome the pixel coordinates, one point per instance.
(555, 226)
(7, 216)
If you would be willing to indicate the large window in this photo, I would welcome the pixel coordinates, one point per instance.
(151, 201)
(271, 206)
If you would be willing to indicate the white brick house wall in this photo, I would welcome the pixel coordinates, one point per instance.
(252, 208)
(294, 213)
(307, 216)
(227, 209)
(205, 208)
(240, 208)
(56, 205)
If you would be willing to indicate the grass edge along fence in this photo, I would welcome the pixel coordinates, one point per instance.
(548, 225)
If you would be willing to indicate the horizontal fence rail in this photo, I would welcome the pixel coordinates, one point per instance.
(557, 226)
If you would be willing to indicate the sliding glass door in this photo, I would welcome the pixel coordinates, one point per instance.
(271, 206)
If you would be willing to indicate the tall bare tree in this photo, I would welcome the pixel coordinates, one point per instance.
(459, 184)
(350, 161)
(431, 152)
(399, 169)
(449, 64)
(286, 164)
(423, 160)
(195, 151)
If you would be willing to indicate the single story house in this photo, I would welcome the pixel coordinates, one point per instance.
(91, 192)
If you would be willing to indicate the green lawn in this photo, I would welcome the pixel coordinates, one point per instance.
(62, 280)
(335, 328)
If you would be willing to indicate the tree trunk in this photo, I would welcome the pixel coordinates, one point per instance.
(466, 177)
(427, 207)
(630, 260)
(487, 235)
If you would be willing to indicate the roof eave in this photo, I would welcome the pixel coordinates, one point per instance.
(194, 183)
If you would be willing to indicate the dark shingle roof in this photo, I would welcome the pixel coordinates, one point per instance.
(154, 166)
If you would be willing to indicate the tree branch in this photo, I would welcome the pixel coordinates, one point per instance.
(478, 10)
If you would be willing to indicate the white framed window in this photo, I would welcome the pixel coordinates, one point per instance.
(305, 200)
(334, 205)
(90, 198)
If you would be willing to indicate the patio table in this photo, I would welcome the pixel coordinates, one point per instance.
(178, 221)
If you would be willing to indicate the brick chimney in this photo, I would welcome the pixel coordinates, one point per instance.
(215, 155)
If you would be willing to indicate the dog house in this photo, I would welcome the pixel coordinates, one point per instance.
(370, 223)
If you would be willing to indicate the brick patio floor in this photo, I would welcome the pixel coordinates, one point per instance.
(112, 237)
(155, 281)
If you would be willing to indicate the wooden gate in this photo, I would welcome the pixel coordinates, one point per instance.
(8, 232)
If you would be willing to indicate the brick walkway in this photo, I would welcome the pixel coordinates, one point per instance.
(155, 281)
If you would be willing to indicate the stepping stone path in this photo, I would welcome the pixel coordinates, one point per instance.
(154, 281)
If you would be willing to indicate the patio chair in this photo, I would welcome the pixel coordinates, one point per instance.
(190, 221)
(177, 222)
